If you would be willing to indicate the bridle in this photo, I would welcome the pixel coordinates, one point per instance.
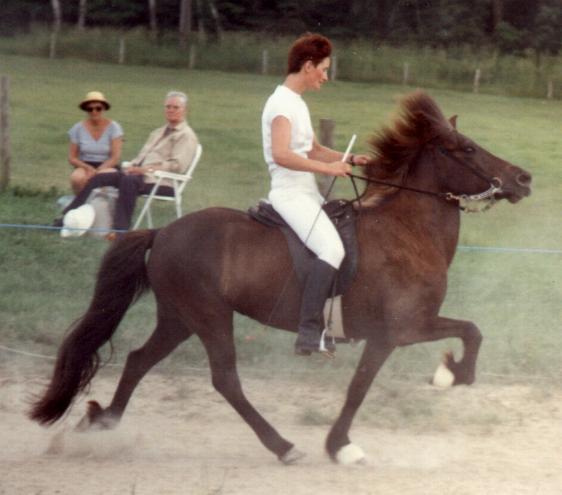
(466, 202)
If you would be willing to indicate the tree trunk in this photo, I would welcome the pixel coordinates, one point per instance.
(185, 22)
(152, 17)
(497, 13)
(57, 15)
(216, 19)
(5, 150)
(201, 33)
(57, 21)
(82, 6)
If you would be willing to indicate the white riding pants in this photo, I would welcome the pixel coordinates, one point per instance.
(302, 210)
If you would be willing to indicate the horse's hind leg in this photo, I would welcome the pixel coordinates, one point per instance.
(222, 359)
(168, 334)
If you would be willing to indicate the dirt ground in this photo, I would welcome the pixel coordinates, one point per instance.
(179, 437)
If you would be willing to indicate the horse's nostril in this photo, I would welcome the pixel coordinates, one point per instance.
(524, 179)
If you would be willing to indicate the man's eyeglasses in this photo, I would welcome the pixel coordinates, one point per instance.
(97, 108)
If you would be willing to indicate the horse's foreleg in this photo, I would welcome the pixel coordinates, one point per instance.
(168, 334)
(464, 370)
(222, 359)
(338, 444)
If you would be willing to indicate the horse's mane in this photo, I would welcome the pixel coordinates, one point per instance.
(395, 148)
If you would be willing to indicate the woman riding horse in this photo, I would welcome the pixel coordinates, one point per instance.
(293, 155)
(423, 171)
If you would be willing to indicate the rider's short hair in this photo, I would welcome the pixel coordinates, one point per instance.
(313, 47)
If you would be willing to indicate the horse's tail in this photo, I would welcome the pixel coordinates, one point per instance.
(122, 278)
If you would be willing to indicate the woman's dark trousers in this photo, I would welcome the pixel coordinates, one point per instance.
(130, 187)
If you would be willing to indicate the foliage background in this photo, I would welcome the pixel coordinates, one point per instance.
(510, 25)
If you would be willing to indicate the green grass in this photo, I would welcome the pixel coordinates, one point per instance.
(46, 281)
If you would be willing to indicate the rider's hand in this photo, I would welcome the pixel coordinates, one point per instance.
(137, 171)
(361, 160)
(339, 169)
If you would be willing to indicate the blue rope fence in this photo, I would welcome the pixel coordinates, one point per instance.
(50, 227)
(490, 249)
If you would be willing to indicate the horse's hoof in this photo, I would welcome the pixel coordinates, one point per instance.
(292, 456)
(96, 419)
(56, 445)
(443, 377)
(350, 454)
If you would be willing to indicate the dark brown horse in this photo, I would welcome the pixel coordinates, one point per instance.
(209, 264)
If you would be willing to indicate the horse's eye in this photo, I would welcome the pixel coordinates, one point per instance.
(469, 149)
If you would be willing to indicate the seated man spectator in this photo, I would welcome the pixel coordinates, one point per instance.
(171, 148)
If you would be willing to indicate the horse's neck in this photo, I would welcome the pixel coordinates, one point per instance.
(427, 218)
(441, 218)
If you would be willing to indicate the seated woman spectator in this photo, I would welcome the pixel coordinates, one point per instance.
(95, 143)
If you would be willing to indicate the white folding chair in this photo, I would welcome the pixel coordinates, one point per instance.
(179, 181)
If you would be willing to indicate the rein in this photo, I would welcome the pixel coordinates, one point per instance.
(463, 199)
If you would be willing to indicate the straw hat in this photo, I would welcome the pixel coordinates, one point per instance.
(77, 221)
(94, 96)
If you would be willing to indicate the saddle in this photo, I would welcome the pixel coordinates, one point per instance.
(342, 215)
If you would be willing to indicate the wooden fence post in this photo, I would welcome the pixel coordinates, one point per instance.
(53, 44)
(192, 56)
(334, 68)
(121, 59)
(476, 85)
(550, 90)
(264, 61)
(406, 74)
(5, 152)
(327, 127)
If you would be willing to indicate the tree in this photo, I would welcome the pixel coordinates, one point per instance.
(57, 21)
(82, 7)
(497, 13)
(57, 15)
(547, 32)
(152, 18)
(186, 7)
(216, 19)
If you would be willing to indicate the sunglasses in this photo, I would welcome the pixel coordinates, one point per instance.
(97, 108)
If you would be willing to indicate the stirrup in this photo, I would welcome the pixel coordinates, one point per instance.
(327, 344)
(324, 346)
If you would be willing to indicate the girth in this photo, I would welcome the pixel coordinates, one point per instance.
(342, 215)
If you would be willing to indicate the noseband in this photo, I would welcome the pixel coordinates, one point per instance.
(465, 200)
(469, 203)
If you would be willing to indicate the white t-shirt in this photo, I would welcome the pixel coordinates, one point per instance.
(285, 102)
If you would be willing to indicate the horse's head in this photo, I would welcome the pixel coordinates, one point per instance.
(465, 169)
(423, 138)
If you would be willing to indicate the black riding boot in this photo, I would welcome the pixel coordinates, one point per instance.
(317, 289)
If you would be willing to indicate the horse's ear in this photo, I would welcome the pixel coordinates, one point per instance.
(453, 121)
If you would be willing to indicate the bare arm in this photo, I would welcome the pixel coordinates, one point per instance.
(114, 156)
(74, 160)
(328, 163)
(323, 153)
